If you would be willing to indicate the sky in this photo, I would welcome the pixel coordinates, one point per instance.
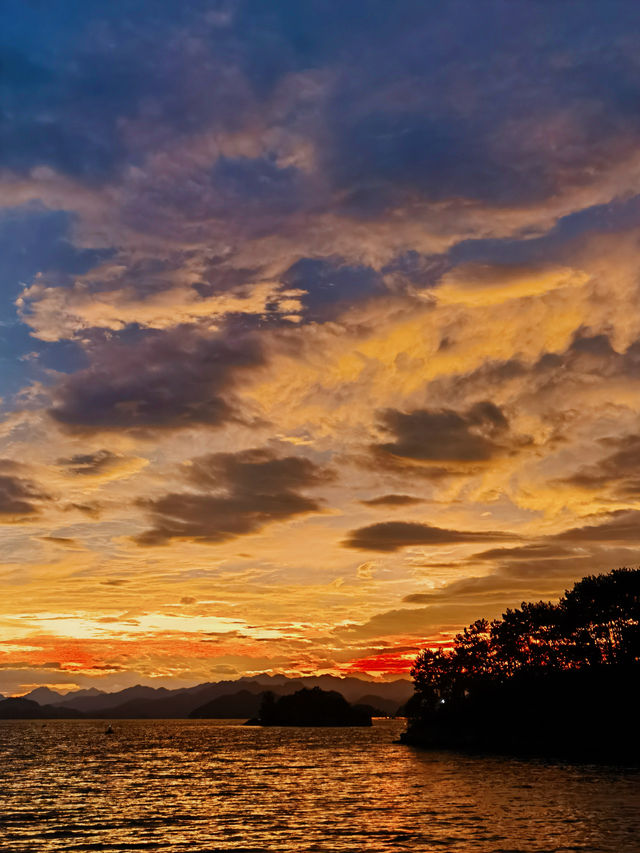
(319, 328)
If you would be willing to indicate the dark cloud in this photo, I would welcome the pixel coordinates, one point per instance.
(390, 112)
(73, 82)
(423, 118)
(90, 463)
(238, 493)
(618, 471)
(393, 500)
(619, 526)
(258, 182)
(63, 541)
(534, 551)
(425, 98)
(19, 495)
(330, 285)
(394, 535)
(531, 571)
(447, 437)
(92, 510)
(420, 271)
(164, 380)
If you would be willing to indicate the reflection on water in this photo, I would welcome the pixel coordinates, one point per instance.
(205, 785)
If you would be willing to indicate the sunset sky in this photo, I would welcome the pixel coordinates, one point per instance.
(319, 330)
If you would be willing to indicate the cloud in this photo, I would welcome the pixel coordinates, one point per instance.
(533, 551)
(55, 313)
(618, 526)
(20, 497)
(162, 381)
(394, 535)
(101, 465)
(329, 286)
(454, 441)
(617, 472)
(298, 150)
(420, 622)
(533, 571)
(238, 494)
(88, 464)
(528, 572)
(393, 500)
(62, 541)
(78, 103)
(485, 284)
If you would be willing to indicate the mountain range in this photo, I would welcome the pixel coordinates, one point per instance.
(222, 699)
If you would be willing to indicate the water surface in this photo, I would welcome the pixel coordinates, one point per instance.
(205, 785)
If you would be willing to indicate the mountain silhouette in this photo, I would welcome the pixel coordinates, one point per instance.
(162, 703)
(25, 709)
(240, 705)
(46, 696)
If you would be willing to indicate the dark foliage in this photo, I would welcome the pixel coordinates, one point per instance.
(311, 707)
(545, 678)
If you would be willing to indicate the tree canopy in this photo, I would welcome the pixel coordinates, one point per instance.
(594, 624)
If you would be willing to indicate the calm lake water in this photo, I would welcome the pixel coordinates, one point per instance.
(175, 785)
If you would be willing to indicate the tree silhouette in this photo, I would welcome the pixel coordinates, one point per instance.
(574, 664)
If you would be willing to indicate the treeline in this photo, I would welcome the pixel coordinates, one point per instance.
(545, 678)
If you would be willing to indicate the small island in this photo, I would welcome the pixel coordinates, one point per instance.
(550, 680)
(310, 707)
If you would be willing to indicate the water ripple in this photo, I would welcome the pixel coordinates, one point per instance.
(175, 786)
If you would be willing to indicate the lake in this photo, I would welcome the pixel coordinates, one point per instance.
(208, 785)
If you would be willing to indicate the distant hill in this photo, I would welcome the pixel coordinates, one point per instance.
(46, 696)
(162, 703)
(240, 705)
(352, 688)
(381, 706)
(176, 705)
(104, 701)
(26, 709)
